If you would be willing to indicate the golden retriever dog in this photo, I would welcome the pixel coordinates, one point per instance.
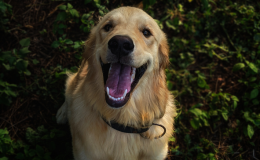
(117, 104)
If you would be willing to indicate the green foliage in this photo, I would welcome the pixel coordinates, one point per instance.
(69, 14)
(14, 60)
(41, 145)
(148, 3)
(204, 46)
(5, 10)
(214, 75)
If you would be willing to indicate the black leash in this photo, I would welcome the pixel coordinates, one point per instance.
(129, 129)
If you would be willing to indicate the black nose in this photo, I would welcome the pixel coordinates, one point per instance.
(121, 45)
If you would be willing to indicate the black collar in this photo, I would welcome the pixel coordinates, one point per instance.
(128, 129)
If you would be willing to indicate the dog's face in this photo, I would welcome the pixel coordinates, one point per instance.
(129, 46)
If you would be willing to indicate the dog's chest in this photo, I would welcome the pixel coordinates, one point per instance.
(102, 141)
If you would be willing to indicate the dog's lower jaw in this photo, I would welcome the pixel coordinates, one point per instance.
(132, 79)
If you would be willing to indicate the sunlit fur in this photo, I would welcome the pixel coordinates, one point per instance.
(149, 102)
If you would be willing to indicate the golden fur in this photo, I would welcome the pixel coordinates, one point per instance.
(150, 101)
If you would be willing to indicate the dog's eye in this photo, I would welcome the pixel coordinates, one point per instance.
(146, 33)
(107, 27)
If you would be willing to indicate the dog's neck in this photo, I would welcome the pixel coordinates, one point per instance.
(130, 129)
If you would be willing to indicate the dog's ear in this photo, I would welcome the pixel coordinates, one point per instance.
(90, 45)
(87, 54)
(163, 53)
(161, 80)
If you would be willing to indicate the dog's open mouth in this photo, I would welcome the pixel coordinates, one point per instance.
(120, 80)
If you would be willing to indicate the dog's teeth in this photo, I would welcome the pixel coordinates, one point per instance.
(133, 74)
(125, 93)
(116, 99)
(107, 91)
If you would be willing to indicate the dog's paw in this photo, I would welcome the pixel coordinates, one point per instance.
(61, 115)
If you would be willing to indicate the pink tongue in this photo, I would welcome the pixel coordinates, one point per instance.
(119, 79)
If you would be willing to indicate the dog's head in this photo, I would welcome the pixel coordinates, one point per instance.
(131, 49)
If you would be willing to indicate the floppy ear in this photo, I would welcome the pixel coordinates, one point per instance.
(163, 53)
(162, 94)
(87, 54)
(90, 44)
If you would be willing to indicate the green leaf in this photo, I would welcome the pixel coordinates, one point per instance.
(172, 139)
(68, 41)
(176, 21)
(201, 82)
(55, 44)
(248, 118)
(76, 45)
(253, 67)
(252, 79)
(84, 18)
(235, 104)
(69, 6)
(61, 16)
(254, 93)
(21, 64)
(24, 50)
(9, 92)
(39, 151)
(74, 12)
(238, 66)
(25, 42)
(101, 12)
(196, 111)
(35, 61)
(27, 72)
(32, 153)
(255, 102)
(20, 156)
(234, 98)
(257, 37)
(201, 156)
(250, 131)
(205, 4)
(169, 25)
(169, 85)
(159, 23)
(7, 66)
(62, 26)
(195, 123)
(87, 1)
(180, 7)
(211, 156)
(3, 131)
(4, 158)
(197, 105)
(63, 7)
(225, 115)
